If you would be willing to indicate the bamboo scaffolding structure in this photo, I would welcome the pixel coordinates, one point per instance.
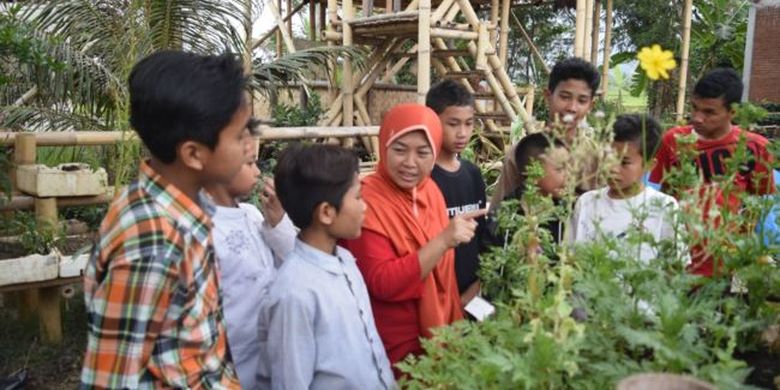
(531, 45)
(482, 44)
(424, 51)
(503, 44)
(607, 49)
(382, 19)
(330, 30)
(686, 46)
(506, 88)
(579, 30)
(588, 29)
(453, 11)
(368, 7)
(275, 28)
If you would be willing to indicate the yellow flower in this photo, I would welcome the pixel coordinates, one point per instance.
(656, 62)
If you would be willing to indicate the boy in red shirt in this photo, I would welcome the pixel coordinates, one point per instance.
(716, 140)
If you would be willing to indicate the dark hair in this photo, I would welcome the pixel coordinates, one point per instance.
(448, 93)
(530, 149)
(577, 69)
(308, 175)
(720, 83)
(177, 96)
(641, 130)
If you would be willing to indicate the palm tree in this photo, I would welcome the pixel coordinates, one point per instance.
(71, 72)
(90, 46)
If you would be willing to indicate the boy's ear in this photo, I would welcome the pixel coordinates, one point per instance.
(325, 213)
(193, 155)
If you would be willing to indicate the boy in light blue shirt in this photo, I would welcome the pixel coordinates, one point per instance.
(317, 329)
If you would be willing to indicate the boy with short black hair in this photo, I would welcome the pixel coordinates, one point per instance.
(459, 180)
(716, 140)
(317, 328)
(151, 288)
(570, 95)
(614, 210)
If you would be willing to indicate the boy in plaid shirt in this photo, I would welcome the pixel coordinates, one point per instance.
(151, 285)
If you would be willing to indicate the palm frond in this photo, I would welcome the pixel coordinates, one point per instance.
(202, 26)
(39, 118)
(297, 67)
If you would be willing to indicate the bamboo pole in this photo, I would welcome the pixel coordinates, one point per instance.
(579, 30)
(529, 100)
(289, 21)
(588, 29)
(445, 33)
(424, 51)
(495, 6)
(530, 43)
(368, 7)
(595, 34)
(347, 88)
(686, 45)
(482, 45)
(452, 12)
(279, 29)
(331, 29)
(49, 298)
(312, 20)
(388, 6)
(607, 49)
(322, 17)
(503, 44)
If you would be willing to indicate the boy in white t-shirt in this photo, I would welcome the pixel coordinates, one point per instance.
(627, 203)
(249, 246)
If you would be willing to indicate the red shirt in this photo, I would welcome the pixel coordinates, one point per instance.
(755, 178)
(395, 286)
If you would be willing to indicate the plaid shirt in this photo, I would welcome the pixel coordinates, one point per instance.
(152, 294)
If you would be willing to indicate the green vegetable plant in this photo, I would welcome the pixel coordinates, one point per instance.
(585, 316)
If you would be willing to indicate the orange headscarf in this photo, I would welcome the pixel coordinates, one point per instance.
(410, 219)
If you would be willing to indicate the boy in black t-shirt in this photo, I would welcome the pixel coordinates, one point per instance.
(460, 181)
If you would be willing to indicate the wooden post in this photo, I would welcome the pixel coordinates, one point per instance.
(25, 146)
(333, 17)
(368, 7)
(50, 316)
(49, 304)
(529, 100)
(588, 29)
(424, 50)
(607, 50)
(504, 37)
(579, 30)
(594, 45)
(686, 45)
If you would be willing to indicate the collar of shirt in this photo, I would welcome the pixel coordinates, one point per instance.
(193, 216)
(320, 259)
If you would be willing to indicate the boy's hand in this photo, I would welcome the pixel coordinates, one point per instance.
(272, 208)
(461, 228)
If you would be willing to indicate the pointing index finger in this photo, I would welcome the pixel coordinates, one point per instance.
(474, 214)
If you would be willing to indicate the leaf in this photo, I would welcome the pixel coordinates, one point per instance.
(639, 82)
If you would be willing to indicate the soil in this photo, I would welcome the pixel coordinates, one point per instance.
(766, 366)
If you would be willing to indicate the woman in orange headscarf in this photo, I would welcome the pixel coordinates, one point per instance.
(405, 251)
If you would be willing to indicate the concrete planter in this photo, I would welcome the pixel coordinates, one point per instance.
(33, 268)
(62, 180)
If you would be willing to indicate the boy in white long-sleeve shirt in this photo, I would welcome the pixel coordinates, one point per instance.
(626, 203)
(249, 246)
